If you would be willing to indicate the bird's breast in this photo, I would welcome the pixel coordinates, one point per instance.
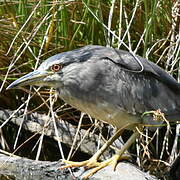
(103, 111)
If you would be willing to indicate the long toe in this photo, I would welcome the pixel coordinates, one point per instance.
(113, 161)
(87, 164)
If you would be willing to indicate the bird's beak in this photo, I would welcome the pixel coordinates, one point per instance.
(33, 78)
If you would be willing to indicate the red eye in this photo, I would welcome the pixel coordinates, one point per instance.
(56, 67)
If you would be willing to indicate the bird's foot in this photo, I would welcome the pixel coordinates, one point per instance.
(93, 163)
(113, 161)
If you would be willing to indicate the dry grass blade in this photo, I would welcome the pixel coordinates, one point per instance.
(75, 138)
(55, 127)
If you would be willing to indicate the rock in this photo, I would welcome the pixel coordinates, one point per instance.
(124, 171)
(23, 168)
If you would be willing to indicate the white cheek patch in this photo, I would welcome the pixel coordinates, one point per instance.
(54, 80)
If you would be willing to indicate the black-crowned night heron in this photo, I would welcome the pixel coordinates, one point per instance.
(111, 85)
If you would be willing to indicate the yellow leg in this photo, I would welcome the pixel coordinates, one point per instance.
(114, 159)
(93, 161)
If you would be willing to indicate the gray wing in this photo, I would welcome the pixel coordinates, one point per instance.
(151, 89)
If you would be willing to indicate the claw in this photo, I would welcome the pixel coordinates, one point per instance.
(71, 164)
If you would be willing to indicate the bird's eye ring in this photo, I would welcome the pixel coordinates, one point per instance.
(56, 67)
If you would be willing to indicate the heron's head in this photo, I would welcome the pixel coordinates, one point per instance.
(55, 70)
